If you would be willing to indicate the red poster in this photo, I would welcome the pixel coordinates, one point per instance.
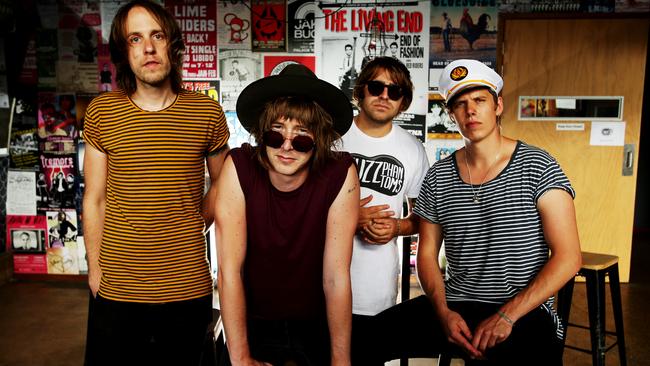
(27, 239)
(198, 22)
(273, 64)
(269, 25)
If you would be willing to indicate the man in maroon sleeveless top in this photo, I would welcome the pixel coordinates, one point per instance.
(283, 230)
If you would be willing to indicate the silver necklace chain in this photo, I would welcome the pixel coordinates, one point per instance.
(475, 195)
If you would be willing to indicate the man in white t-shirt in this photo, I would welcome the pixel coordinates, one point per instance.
(391, 165)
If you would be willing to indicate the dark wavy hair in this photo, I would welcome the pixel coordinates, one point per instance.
(310, 114)
(119, 46)
(397, 71)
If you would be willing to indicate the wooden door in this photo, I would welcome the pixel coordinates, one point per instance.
(582, 57)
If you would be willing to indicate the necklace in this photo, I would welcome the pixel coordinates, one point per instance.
(475, 195)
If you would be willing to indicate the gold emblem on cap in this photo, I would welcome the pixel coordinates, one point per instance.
(458, 73)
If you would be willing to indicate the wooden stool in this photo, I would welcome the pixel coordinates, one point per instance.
(595, 267)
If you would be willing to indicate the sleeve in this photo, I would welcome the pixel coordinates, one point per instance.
(426, 205)
(92, 127)
(218, 138)
(552, 177)
(420, 170)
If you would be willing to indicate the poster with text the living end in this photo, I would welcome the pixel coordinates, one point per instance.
(459, 30)
(300, 26)
(198, 22)
(348, 37)
(234, 24)
(27, 239)
(269, 25)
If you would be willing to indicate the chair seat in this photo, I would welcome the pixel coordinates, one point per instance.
(597, 261)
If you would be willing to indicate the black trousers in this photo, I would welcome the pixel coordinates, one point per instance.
(125, 333)
(288, 342)
(412, 330)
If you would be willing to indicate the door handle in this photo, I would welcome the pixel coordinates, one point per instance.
(628, 159)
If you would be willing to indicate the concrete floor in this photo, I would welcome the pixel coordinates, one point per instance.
(44, 323)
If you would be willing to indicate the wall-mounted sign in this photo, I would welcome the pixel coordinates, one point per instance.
(570, 108)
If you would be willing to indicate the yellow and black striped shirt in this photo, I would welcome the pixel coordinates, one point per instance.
(153, 249)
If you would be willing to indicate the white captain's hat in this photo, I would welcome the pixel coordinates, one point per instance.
(463, 74)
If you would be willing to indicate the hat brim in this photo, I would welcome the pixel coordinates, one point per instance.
(252, 99)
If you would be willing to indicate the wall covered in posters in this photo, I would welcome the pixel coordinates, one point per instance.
(55, 70)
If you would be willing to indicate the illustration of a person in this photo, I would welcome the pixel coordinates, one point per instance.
(393, 50)
(68, 113)
(49, 123)
(41, 189)
(238, 72)
(446, 31)
(346, 65)
(106, 78)
(370, 55)
(62, 231)
(58, 188)
(25, 242)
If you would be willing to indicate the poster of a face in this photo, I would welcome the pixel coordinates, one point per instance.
(28, 240)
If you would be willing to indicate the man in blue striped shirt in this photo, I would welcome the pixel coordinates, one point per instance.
(500, 206)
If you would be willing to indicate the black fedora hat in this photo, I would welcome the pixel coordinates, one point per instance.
(294, 80)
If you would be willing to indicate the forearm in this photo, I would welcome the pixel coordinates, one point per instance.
(233, 312)
(93, 223)
(207, 204)
(338, 295)
(408, 225)
(432, 283)
(559, 269)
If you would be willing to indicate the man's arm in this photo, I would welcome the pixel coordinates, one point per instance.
(336, 267)
(430, 277)
(214, 163)
(94, 205)
(382, 230)
(560, 230)
(230, 216)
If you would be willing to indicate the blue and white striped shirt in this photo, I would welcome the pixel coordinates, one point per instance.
(496, 247)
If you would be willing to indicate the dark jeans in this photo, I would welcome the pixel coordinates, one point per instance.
(412, 330)
(126, 333)
(409, 329)
(533, 340)
(289, 342)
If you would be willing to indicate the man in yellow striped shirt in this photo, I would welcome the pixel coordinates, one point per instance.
(144, 208)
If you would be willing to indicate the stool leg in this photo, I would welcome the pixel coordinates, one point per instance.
(615, 288)
(596, 302)
(564, 298)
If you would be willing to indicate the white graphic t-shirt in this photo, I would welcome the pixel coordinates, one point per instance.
(390, 168)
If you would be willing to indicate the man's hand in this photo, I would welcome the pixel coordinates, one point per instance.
(380, 231)
(458, 333)
(491, 332)
(94, 278)
(370, 213)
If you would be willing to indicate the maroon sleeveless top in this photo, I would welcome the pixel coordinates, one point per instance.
(283, 271)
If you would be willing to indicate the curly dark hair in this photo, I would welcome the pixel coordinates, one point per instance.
(118, 45)
(397, 71)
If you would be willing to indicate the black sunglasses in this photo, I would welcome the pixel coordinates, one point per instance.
(300, 143)
(376, 88)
